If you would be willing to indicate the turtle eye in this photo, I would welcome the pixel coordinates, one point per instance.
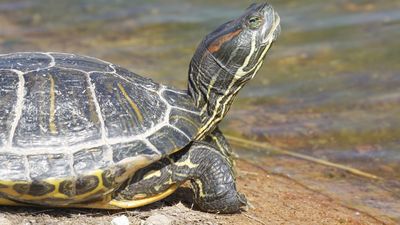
(254, 22)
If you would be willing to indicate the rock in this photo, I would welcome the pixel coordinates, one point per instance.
(120, 220)
(5, 221)
(158, 219)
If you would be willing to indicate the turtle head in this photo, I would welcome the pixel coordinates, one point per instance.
(239, 46)
(228, 57)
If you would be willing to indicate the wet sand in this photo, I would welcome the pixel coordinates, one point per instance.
(275, 199)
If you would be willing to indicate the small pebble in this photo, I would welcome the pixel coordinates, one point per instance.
(120, 220)
(158, 219)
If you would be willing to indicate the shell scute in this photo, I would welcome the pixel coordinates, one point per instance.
(132, 149)
(162, 140)
(75, 127)
(12, 167)
(87, 159)
(84, 63)
(25, 61)
(36, 188)
(8, 93)
(44, 166)
(86, 184)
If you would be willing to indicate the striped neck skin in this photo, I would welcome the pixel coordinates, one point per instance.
(214, 88)
(227, 59)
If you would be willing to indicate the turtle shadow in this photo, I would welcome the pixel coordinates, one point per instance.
(183, 195)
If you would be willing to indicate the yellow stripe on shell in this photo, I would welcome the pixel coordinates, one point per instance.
(52, 125)
(131, 103)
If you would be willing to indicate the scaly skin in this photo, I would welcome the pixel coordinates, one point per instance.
(209, 171)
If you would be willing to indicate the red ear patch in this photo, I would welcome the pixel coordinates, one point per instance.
(216, 45)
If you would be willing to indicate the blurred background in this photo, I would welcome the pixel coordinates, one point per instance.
(330, 87)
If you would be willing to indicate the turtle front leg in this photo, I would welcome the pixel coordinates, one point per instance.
(218, 140)
(209, 171)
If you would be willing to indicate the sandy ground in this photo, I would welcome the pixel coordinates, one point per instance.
(275, 199)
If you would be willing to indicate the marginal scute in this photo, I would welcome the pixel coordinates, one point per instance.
(78, 62)
(109, 175)
(90, 159)
(188, 124)
(21, 188)
(39, 188)
(168, 140)
(86, 184)
(67, 187)
(12, 167)
(135, 79)
(130, 150)
(35, 188)
(179, 99)
(48, 165)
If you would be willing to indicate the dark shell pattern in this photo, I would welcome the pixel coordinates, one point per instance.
(74, 127)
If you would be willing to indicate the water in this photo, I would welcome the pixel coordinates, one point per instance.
(330, 87)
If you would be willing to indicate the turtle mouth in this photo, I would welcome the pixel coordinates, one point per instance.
(273, 29)
(277, 23)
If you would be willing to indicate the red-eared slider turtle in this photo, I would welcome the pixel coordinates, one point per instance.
(77, 131)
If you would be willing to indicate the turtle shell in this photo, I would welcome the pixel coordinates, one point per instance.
(73, 127)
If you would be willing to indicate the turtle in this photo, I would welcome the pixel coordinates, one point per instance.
(77, 131)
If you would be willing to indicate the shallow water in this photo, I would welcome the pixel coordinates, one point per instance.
(330, 87)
